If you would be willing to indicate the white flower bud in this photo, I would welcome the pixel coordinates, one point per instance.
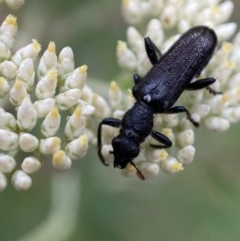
(132, 11)
(155, 32)
(87, 94)
(217, 102)
(67, 99)
(169, 42)
(128, 171)
(155, 155)
(8, 30)
(168, 132)
(7, 163)
(169, 17)
(135, 39)
(43, 107)
(118, 114)
(21, 181)
(149, 169)
(186, 154)
(29, 51)
(157, 119)
(65, 62)
(190, 11)
(78, 148)
(171, 120)
(3, 182)
(225, 31)
(48, 60)
(31, 165)
(61, 161)
(217, 124)
(100, 105)
(46, 86)
(5, 53)
(232, 114)
(171, 165)
(185, 138)
(86, 108)
(28, 142)
(8, 69)
(77, 79)
(17, 93)
(156, 6)
(75, 125)
(115, 94)
(7, 120)
(51, 123)
(26, 115)
(125, 57)
(143, 63)
(106, 155)
(8, 140)
(50, 145)
(14, 4)
(183, 26)
(201, 109)
(225, 9)
(26, 73)
(4, 87)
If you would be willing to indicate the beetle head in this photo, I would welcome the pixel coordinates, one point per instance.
(124, 151)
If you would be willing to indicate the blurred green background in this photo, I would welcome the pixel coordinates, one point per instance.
(91, 202)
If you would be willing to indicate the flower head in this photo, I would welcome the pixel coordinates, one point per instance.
(33, 127)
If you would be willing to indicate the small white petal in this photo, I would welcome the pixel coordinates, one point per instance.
(17, 93)
(43, 107)
(28, 142)
(125, 57)
(4, 87)
(21, 181)
(149, 169)
(75, 125)
(8, 140)
(50, 145)
(61, 161)
(51, 123)
(7, 163)
(14, 4)
(78, 148)
(48, 61)
(67, 99)
(186, 154)
(217, 124)
(31, 165)
(26, 115)
(185, 138)
(171, 165)
(8, 69)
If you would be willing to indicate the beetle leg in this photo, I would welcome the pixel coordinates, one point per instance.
(153, 52)
(136, 78)
(161, 138)
(180, 109)
(203, 83)
(109, 122)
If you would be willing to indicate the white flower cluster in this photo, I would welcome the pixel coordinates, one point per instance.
(215, 112)
(33, 126)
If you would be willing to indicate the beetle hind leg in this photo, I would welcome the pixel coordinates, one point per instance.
(161, 138)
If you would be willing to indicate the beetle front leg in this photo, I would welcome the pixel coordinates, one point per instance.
(153, 53)
(161, 138)
(109, 122)
(203, 83)
(180, 109)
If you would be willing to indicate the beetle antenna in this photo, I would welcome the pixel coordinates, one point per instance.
(139, 174)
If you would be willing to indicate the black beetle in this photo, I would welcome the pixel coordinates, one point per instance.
(171, 74)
